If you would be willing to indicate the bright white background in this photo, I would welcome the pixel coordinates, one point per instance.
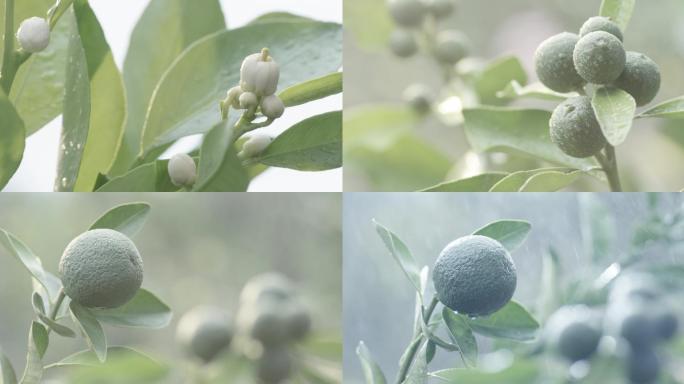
(38, 168)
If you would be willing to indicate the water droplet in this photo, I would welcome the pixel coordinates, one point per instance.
(64, 182)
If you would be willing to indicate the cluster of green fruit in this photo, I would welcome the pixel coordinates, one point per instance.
(416, 21)
(271, 318)
(567, 62)
(637, 316)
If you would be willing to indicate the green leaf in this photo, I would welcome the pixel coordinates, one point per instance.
(418, 372)
(314, 144)
(38, 303)
(37, 345)
(12, 138)
(7, 373)
(280, 17)
(186, 99)
(91, 328)
(479, 183)
(551, 181)
(88, 358)
(510, 322)
(180, 23)
(619, 11)
(220, 170)
(150, 177)
(60, 329)
(31, 262)
(94, 106)
(312, 90)
(371, 370)
(670, 109)
(614, 110)
(401, 255)
(510, 233)
(127, 218)
(514, 90)
(496, 76)
(549, 298)
(145, 310)
(521, 372)
(462, 335)
(38, 88)
(377, 127)
(368, 22)
(523, 131)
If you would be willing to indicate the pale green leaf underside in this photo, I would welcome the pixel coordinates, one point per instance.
(614, 110)
(144, 310)
(478, 183)
(670, 109)
(510, 233)
(127, 218)
(91, 328)
(532, 91)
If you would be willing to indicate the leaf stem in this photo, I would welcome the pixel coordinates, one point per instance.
(609, 165)
(8, 56)
(416, 342)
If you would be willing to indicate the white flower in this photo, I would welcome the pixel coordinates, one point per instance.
(34, 34)
(255, 145)
(260, 74)
(182, 170)
(248, 100)
(272, 107)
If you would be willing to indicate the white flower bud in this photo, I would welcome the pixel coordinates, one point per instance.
(34, 34)
(452, 46)
(403, 43)
(233, 96)
(248, 100)
(255, 145)
(407, 13)
(260, 74)
(272, 107)
(182, 170)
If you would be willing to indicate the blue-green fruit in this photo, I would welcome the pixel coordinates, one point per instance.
(599, 57)
(554, 65)
(403, 43)
(474, 276)
(204, 332)
(101, 268)
(574, 128)
(643, 366)
(573, 332)
(274, 366)
(640, 78)
(600, 23)
(667, 324)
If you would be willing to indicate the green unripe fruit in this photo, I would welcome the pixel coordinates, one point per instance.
(599, 57)
(643, 366)
(440, 8)
(600, 23)
(640, 78)
(407, 13)
(274, 365)
(266, 287)
(666, 324)
(573, 332)
(634, 323)
(403, 43)
(419, 97)
(574, 128)
(298, 320)
(269, 324)
(204, 332)
(554, 65)
(451, 46)
(101, 268)
(474, 276)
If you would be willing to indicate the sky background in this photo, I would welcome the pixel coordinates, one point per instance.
(38, 168)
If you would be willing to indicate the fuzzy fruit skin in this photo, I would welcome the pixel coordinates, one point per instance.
(640, 78)
(204, 332)
(441, 8)
(643, 366)
(419, 97)
(272, 107)
(182, 170)
(274, 365)
(101, 268)
(573, 333)
(407, 13)
(403, 43)
(600, 23)
(451, 47)
(474, 276)
(574, 128)
(554, 65)
(599, 57)
(34, 34)
(259, 76)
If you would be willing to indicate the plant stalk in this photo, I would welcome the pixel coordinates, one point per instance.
(609, 165)
(8, 56)
(416, 342)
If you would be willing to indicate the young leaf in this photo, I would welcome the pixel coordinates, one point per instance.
(145, 310)
(670, 109)
(7, 373)
(521, 372)
(371, 370)
(38, 303)
(312, 90)
(91, 328)
(462, 335)
(401, 255)
(37, 345)
(150, 177)
(314, 144)
(619, 11)
(94, 106)
(220, 170)
(88, 358)
(12, 137)
(496, 76)
(515, 90)
(551, 181)
(31, 262)
(418, 372)
(510, 322)
(524, 131)
(510, 233)
(60, 329)
(187, 22)
(127, 218)
(479, 183)
(186, 99)
(614, 110)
